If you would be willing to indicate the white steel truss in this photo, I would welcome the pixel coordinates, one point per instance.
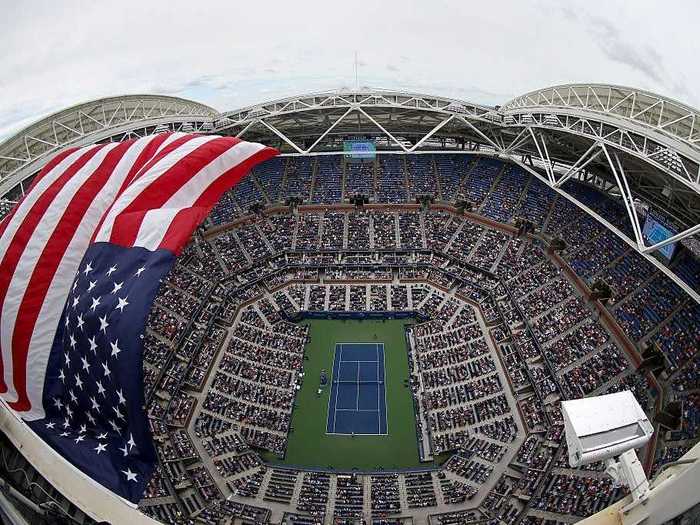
(21, 155)
(643, 145)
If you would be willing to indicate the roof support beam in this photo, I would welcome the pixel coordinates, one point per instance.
(661, 267)
(626, 195)
(430, 133)
(575, 168)
(678, 237)
(545, 161)
(281, 135)
(476, 130)
(382, 128)
(248, 126)
(329, 129)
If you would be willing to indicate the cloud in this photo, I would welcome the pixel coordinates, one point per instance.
(643, 59)
(401, 45)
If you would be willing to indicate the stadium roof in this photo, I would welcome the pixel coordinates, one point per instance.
(642, 149)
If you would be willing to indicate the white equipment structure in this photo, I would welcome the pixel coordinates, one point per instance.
(605, 427)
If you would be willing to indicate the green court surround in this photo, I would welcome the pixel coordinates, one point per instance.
(310, 446)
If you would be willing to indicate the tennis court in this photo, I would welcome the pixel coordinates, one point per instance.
(357, 402)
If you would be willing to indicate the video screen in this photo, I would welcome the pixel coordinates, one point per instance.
(655, 232)
(359, 150)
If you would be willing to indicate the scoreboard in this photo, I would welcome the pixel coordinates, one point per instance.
(359, 150)
(655, 232)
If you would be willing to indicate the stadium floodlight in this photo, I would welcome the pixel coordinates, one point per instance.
(604, 427)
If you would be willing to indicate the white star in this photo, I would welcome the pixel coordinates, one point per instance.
(78, 381)
(62, 376)
(123, 303)
(102, 436)
(103, 323)
(67, 359)
(140, 271)
(76, 300)
(72, 341)
(130, 476)
(57, 401)
(66, 423)
(114, 426)
(111, 270)
(122, 399)
(115, 348)
(83, 428)
(100, 388)
(69, 411)
(117, 287)
(107, 372)
(79, 439)
(118, 412)
(50, 425)
(91, 418)
(101, 447)
(72, 396)
(88, 268)
(64, 434)
(95, 303)
(80, 321)
(95, 405)
(86, 365)
(91, 285)
(93, 344)
(131, 442)
(66, 323)
(75, 285)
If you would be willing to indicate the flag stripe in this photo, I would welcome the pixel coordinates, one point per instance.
(47, 263)
(156, 221)
(27, 203)
(165, 160)
(11, 257)
(46, 169)
(158, 190)
(155, 144)
(73, 306)
(188, 219)
(46, 324)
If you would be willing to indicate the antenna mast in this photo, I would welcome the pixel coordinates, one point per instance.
(357, 83)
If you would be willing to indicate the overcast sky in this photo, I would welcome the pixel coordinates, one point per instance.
(234, 53)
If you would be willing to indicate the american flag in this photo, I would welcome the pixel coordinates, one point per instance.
(81, 259)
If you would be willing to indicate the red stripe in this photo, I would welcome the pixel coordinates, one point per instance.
(158, 192)
(186, 220)
(26, 229)
(46, 169)
(167, 150)
(146, 156)
(47, 264)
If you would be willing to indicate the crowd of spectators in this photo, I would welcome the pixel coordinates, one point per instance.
(219, 327)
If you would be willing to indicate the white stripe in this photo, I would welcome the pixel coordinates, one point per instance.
(135, 189)
(47, 322)
(171, 138)
(30, 199)
(28, 260)
(156, 222)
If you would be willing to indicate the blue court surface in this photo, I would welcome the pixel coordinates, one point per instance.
(357, 403)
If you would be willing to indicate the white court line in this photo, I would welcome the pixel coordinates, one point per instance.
(379, 414)
(353, 410)
(335, 407)
(357, 399)
(386, 407)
